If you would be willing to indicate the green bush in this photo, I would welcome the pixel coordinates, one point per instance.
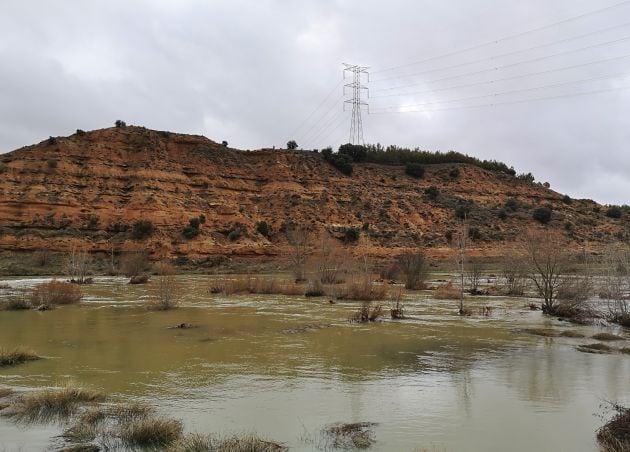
(474, 233)
(356, 152)
(567, 199)
(342, 162)
(454, 173)
(542, 215)
(52, 163)
(512, 204)
(191, 230)
(80, 132)
(263, 228)
(394, 155)
(529, 177)
(120, 124)
(614, 212)
(292, 144)
(432, 192)
(52, 140)
(235, 234)
(142, 229)
(462, 210)
(502, 214)
(351, 235)
(414, 170)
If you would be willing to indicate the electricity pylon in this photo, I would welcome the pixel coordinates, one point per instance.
(356, 125)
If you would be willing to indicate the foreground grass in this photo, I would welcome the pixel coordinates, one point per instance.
(615, 435)
(50, 405)
(250, 442)
(16, 355)
(151, 432)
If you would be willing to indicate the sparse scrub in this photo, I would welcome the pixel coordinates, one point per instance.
(447, 291)
(396, 307)
(315, 289)
(17, 301)
(134, 264)
(256, 285)
(367, 313)
(16, 355)
(364, 290)
(167, 291)
(77, 266)
(55, 292)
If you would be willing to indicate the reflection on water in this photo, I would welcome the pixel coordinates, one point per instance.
(251, 364)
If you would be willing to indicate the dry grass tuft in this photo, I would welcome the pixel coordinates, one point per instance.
(255, 285)
(250, 442)
(16, 355)
(615, 435)
(52, 404)
(364, 290)
(55, 292)
(447, 292)
(127, 412)
(151, 432)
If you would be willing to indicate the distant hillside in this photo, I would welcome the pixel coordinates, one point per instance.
(88, 190)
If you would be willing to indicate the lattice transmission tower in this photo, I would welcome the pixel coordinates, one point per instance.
(356, 124)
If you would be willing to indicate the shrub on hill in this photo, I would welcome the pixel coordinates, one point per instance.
(142, 229)
(432, 192)
(613, 212)
(542, 215)
(263, 228)
(356, 152)
(414, 170)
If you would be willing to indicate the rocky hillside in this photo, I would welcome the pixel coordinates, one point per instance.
(88, 190)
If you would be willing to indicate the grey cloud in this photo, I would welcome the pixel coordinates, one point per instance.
(250, 72)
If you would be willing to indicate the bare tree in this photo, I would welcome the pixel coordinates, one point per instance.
(299, 239)
(413, 265)
(167, 287)
(330, 260)
(474, 275)
(514, 274)
(78, 264)
(616, 284)
(549, 262)
(459, 245)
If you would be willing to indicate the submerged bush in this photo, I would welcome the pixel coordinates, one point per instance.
(55, 292)
(16, 355)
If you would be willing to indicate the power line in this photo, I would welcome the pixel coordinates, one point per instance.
(516, 35)
(324, 137)
(515, 77)
(521, 90)
(326, 125)
(497, 68)
(321, 118)
(540, 46)
(495, 104)
(318, 107)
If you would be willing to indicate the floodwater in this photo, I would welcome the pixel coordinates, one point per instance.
(434, 382)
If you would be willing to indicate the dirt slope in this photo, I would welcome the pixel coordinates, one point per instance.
(85, 190)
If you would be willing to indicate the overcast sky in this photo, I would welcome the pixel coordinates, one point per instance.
(254, 72)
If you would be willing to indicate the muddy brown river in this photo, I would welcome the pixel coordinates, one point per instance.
(286, 367)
